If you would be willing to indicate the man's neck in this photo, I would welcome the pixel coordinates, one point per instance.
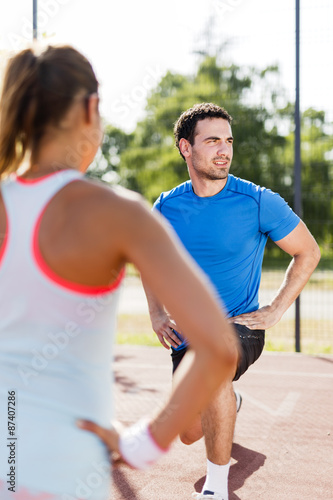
(205, 188)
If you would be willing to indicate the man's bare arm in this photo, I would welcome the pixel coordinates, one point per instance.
(301, 245)
(162, 323)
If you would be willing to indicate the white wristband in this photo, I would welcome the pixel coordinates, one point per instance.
(138, 447)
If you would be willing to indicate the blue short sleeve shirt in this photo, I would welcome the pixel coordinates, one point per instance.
(226, 234)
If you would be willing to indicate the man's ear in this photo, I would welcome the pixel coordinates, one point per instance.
(185, 147)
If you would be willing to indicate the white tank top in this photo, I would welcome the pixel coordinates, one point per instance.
(56, 343)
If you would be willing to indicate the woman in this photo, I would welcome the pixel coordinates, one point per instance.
(64, 242)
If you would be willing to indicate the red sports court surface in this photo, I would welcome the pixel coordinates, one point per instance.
(283, 444)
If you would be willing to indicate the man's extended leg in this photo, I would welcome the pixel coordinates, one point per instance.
(218, 424)
(216, 409)
(218, 421)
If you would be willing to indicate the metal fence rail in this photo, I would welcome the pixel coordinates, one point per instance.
(304, 43)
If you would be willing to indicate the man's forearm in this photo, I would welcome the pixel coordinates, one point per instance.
(154, 306)
(161, 322)
(296, 277)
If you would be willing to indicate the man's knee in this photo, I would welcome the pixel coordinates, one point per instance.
(193, 434)
(185, 439)
(188, 438)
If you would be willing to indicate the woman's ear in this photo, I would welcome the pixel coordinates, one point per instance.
(92, 108)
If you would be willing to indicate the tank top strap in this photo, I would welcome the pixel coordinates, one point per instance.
(25, 200)
(36, 193)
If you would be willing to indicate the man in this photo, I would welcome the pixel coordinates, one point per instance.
(224, 223)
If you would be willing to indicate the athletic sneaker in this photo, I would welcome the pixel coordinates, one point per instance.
(238, 400)
(207, 495)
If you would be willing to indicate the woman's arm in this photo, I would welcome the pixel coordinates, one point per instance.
(181, 286)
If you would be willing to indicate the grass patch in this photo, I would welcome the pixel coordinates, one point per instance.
(136, 330)
(307, 347)
(320, 280)
(139, 338)
(316, 336)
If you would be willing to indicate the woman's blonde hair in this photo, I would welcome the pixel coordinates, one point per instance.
(37, 91)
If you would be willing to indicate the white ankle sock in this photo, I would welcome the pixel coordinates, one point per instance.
(217, 479)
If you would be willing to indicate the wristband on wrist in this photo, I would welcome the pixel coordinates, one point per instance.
(138, 447)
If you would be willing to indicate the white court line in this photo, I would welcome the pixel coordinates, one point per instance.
(285, 409)
(256, 372)
(143, 365)
(291, 374)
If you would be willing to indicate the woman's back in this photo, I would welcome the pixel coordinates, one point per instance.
(56, 336)
(63, 245)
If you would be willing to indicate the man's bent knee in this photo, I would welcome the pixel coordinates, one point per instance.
(193, 434)
(189, 438)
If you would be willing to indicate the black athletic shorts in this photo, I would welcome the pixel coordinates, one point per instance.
(252, 344)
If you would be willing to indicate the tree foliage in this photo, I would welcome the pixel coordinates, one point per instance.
(148, 162)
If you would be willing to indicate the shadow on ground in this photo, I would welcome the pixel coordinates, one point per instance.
(123, 485)
(327, 360)
(248, 462)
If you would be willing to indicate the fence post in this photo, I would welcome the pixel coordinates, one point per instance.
(297, 166)
(34, 19)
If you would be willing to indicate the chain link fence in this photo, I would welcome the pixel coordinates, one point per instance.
(270, 40)
(245, 61)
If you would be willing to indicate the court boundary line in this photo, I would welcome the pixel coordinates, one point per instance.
(253, 371)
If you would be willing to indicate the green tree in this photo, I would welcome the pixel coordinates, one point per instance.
(107, 164)
(148, 162)
(317, 174)
(152, 164)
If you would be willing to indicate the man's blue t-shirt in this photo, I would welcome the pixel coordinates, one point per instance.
(226, 234)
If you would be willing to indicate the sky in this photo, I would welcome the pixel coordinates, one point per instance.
(132, 44)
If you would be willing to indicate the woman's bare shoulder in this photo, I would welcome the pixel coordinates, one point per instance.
(90, 188)
(111, 204)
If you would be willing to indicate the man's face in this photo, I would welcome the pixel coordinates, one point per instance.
(212, 150)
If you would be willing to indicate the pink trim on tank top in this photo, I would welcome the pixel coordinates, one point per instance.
(55, 278)
(23, 493)
(23, 180)
(5, 240)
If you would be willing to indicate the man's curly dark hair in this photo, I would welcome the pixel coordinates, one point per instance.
(185, 125)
